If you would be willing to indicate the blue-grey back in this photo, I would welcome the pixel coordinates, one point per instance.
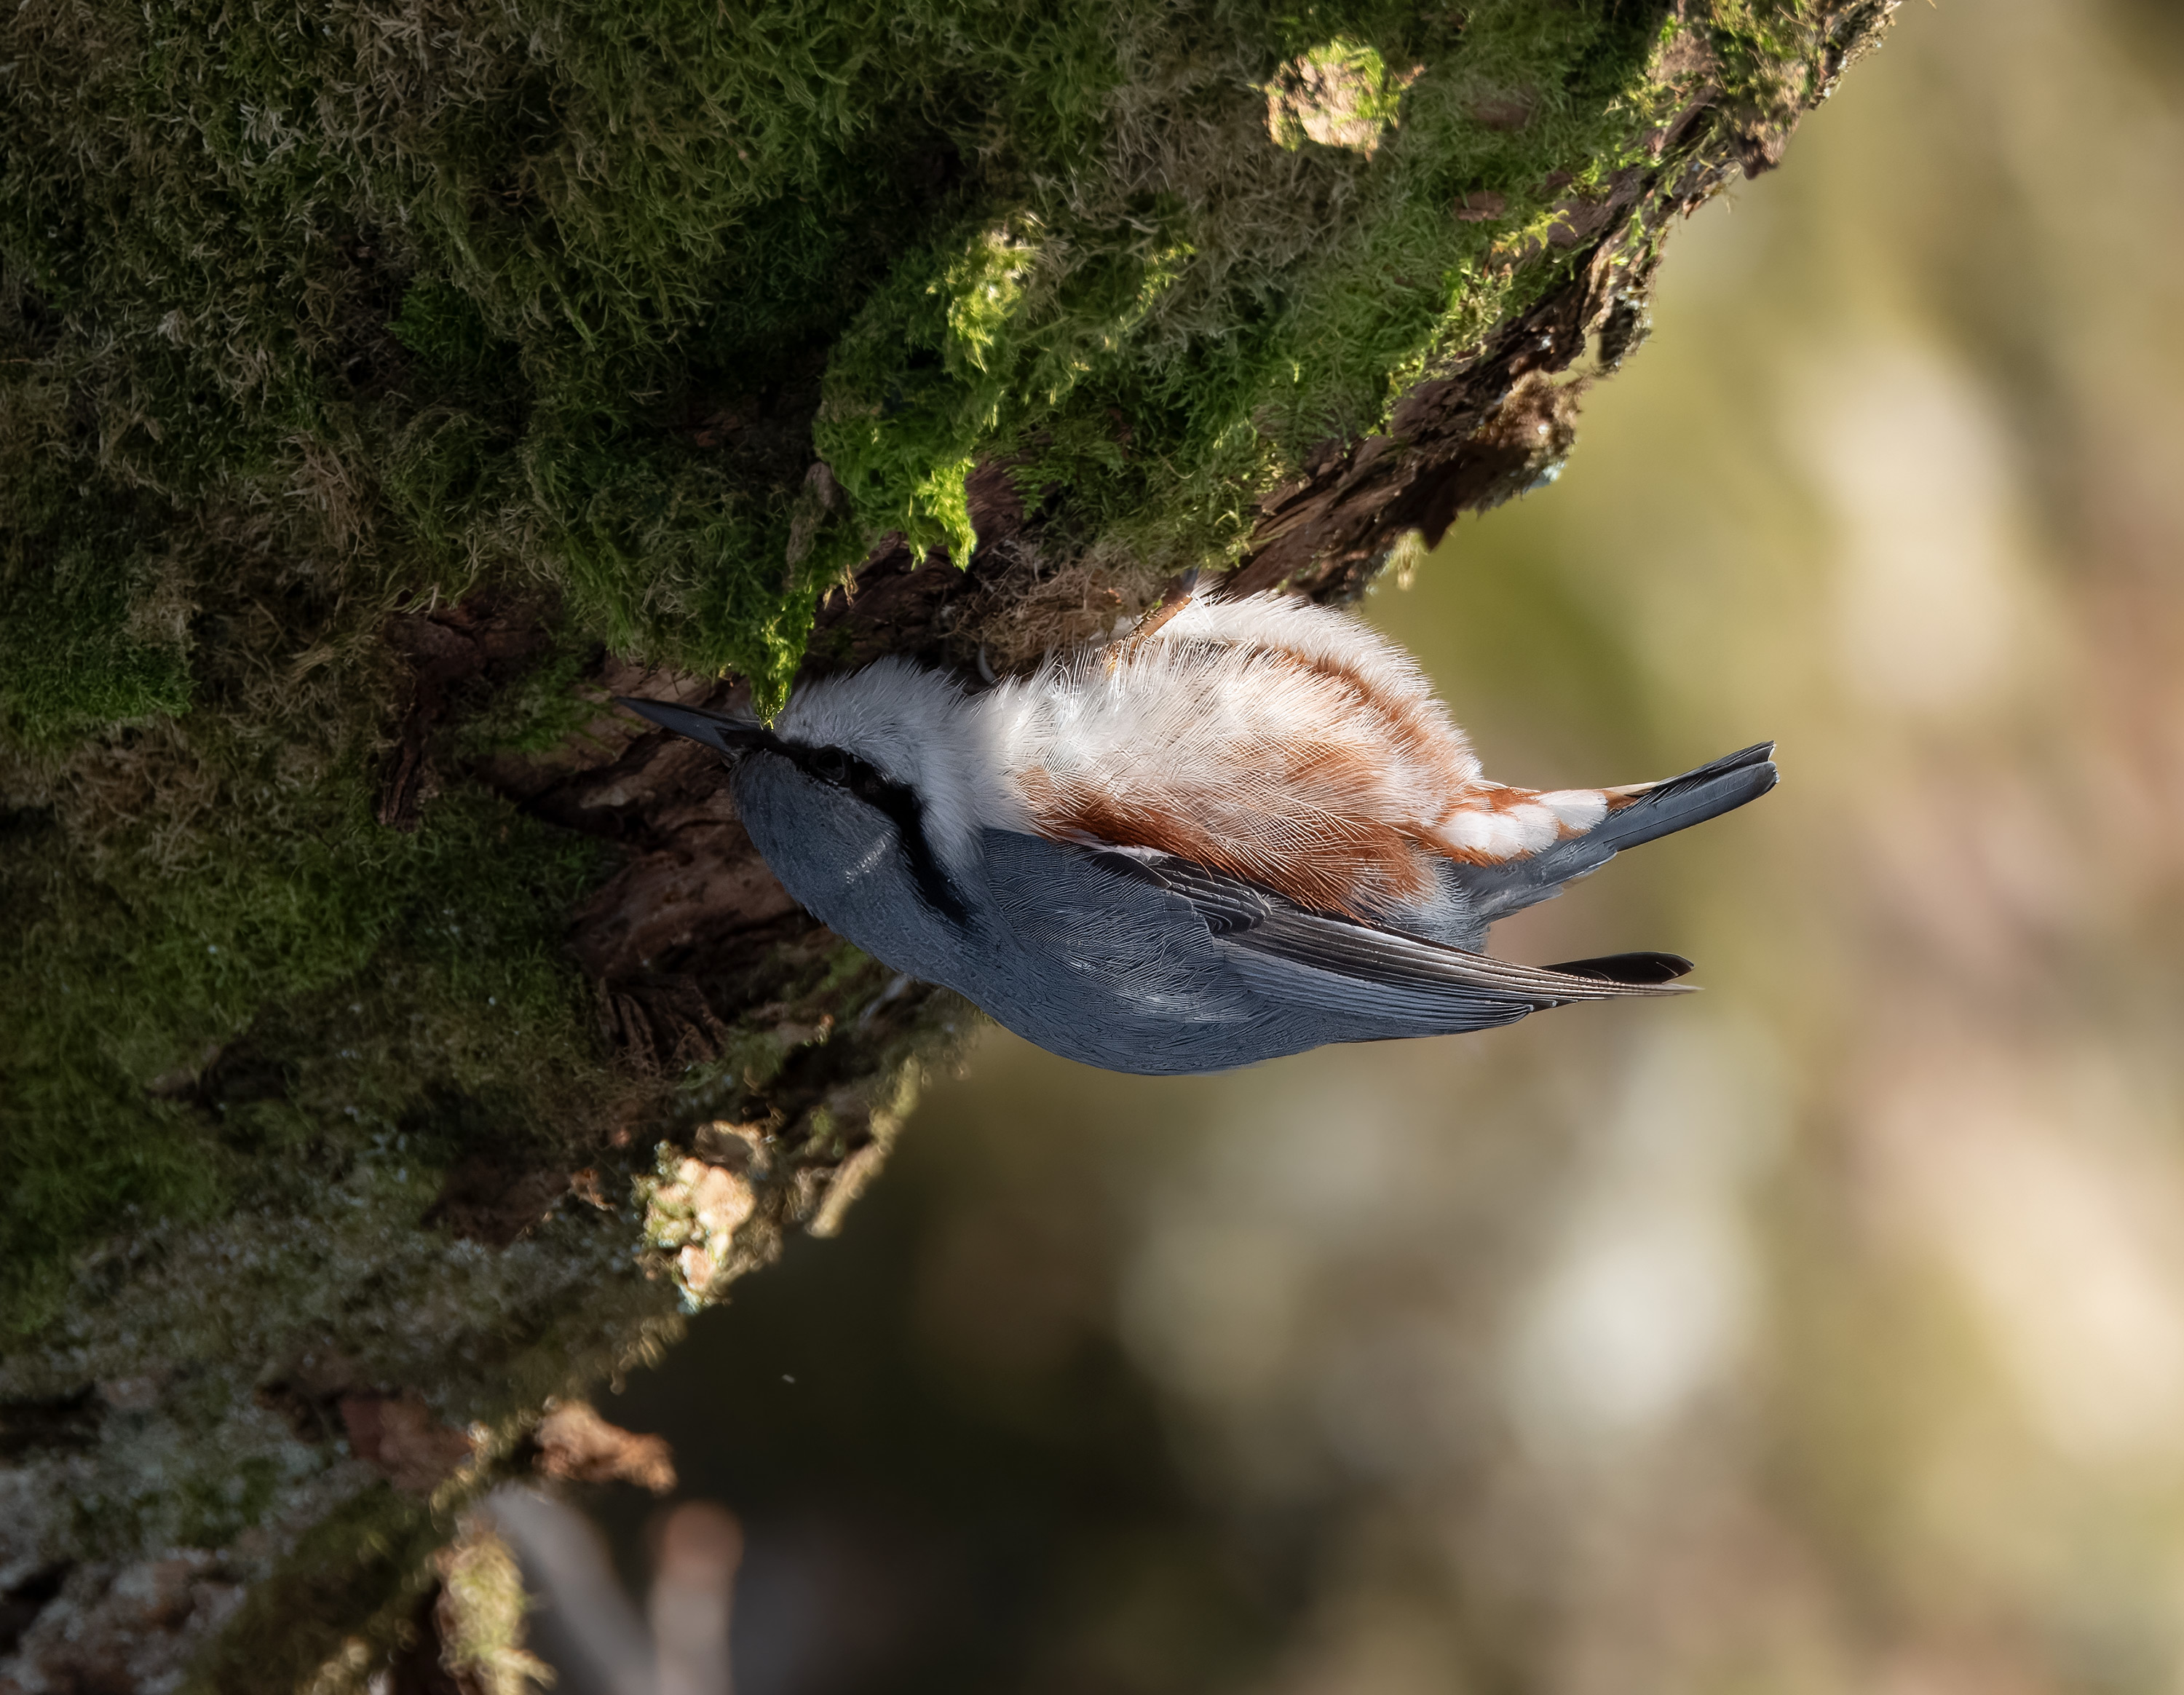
(1059, 946)
(841, 860)
(1087, 965)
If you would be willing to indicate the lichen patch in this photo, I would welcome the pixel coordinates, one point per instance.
(693, 1211)
(1340, 94)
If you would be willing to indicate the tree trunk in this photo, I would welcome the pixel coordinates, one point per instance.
(405, 1038)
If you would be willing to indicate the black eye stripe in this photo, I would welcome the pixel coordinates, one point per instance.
(899, 802)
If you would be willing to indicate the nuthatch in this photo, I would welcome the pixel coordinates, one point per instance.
(1243, 830)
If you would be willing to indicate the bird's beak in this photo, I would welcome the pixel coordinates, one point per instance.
(725, 735)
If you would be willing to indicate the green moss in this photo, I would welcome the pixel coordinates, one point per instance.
(482, 1607)
(69, 659)
(656, 316)
(268, 973)
(487, 270)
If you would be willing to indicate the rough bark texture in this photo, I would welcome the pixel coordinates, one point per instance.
(266, 1521)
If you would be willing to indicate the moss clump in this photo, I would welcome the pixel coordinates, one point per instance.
(247, 975)
(481, 1616)
(559, 290)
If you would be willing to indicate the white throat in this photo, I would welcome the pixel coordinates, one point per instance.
(918, 727)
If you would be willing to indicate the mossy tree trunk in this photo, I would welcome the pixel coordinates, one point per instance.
(396, 1038)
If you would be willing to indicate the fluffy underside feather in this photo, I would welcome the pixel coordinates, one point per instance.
(1271, 739)
(1267, 738)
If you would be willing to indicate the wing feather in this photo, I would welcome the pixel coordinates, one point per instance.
(1341, 965)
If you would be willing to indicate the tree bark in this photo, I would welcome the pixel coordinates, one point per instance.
(264, 1514)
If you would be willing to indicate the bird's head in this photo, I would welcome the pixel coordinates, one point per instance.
(892, 739)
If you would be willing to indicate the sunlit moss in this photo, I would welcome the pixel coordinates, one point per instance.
(482, 263)
(480, 1612)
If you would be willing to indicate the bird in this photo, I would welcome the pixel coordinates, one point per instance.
(1243, 828)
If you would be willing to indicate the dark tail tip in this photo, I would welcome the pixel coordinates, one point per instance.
(1757, 754)
(1720, 786)
(724, 735)
(1639, 969)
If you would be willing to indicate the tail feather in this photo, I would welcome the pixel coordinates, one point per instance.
(1652, 810)
(1661, 809)
(1636, 969)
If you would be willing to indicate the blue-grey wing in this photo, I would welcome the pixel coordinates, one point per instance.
(1390, 982)
(1121, 972)
(1143, 963)
(1124, 939)
(843, 863)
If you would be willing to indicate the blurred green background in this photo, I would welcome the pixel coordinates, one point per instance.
(1822, 1333)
